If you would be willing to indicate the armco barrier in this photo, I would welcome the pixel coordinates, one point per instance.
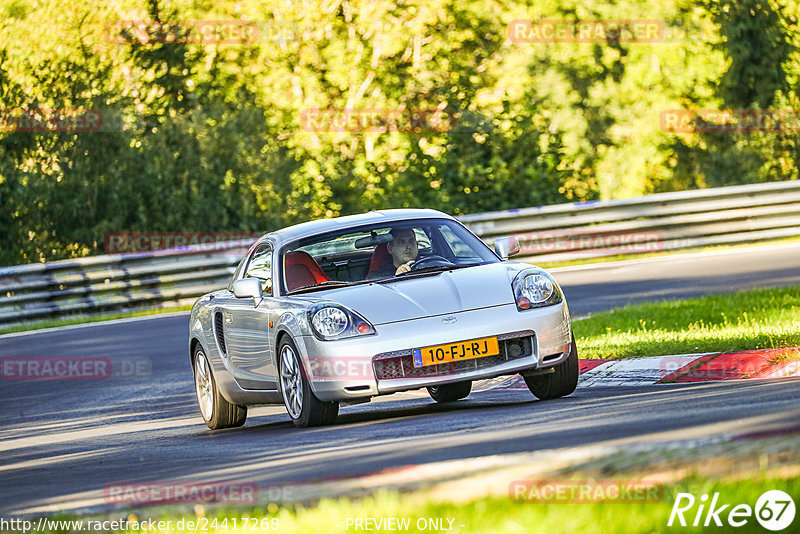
(665, 221)
(116, 282)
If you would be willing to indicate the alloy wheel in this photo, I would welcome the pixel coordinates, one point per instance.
(291, 382)
(203, 386)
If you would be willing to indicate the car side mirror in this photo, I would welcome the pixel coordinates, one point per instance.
(248, 288)
(505, 247)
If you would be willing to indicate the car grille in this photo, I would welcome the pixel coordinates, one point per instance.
(218, 330)
(400, 364)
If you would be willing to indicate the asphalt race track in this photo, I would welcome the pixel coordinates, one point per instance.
(62, 442)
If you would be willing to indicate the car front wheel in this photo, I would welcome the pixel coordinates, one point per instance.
(217, 412)
(559, 383)
(303, 406)
(450, 392)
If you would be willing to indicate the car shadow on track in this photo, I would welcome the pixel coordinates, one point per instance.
(393, 411)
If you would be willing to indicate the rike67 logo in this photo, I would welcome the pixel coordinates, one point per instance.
(774, 510)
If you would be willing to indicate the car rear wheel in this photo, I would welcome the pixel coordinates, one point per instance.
(561, 382)
(303, 406)
(450, 392)
(217, 412)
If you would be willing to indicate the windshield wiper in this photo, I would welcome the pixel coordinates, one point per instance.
(434, 269)
(322, 285)
(440, 268)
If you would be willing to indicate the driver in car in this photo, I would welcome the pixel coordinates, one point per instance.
(404, 251)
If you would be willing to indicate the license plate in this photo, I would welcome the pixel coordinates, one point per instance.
(453, 352)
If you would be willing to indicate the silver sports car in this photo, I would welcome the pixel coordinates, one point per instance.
(336, 311)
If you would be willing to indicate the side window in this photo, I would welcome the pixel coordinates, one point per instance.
(261, 267)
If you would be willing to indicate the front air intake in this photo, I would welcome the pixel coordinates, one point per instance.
(220, 332)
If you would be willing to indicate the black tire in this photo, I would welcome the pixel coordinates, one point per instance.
(450, 392)
(218, 412)
(308, 410)
(561, 382)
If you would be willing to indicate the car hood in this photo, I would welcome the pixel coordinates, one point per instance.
(464, 289)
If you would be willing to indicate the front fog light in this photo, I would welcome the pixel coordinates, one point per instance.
(363, 328)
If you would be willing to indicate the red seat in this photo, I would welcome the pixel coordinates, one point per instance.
(380, 259)
(302, 270)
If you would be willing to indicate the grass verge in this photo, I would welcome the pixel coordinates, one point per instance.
(492, 515)
(756, 319)
(529, 513)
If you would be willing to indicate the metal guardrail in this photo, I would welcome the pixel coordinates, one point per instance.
(116, 282)
(664, 221)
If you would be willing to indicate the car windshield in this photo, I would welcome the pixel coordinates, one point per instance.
(380, 252)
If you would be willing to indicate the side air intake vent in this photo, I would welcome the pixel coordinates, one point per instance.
(218, 330)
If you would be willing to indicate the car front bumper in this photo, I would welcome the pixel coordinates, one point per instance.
(346, 369)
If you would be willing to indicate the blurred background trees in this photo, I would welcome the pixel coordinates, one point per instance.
(211, 136)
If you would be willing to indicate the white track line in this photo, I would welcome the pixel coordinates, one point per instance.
(635, 371)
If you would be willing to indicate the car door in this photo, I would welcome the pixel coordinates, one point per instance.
(246, 327)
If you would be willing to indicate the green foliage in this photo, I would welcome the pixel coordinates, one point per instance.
(760, 40)
(754, 319)
(756, 47)
(211, 136)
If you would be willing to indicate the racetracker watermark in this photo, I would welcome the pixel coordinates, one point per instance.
(51, 120)
(722, 367)
(585, 491)
(340, 368)
(377, 120)
(166, 492)
(285, 31)
(214, 32)
(586, 31)
(730, 121)
(774, 510)
(534, 243)
(45, 524)
(424, 524)
(74, 367)
(55, 368)
(125, 242)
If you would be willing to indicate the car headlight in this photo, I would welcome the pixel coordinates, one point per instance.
(534, 288)
(331, 321)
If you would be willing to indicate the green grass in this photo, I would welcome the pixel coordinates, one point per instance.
(757, 319)
(493, 515)
(53, 323)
